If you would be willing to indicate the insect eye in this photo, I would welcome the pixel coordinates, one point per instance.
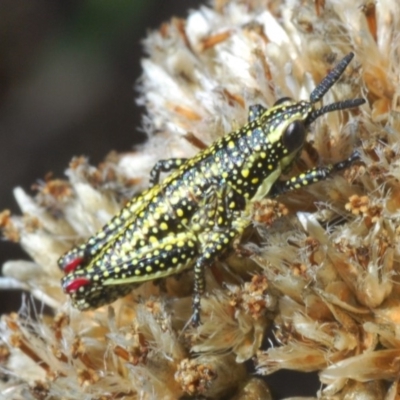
(283, 100)
(294, 136)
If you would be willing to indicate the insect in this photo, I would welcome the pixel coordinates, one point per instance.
(193, 215)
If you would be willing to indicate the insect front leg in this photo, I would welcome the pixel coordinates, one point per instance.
(164, 166)
(312, 176)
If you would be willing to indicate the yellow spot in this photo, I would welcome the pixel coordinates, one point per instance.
(179, 212)
(163, 226)
(196, 227)
(270, 167)
(174, 200)
(232, 204)
(231, 145)
(174, 260)
(137, 271)
(254, 181)
(225, 175)
(220, 220)
(153, 239)
(126, 214)
(263, 154)
(149, 268)
(168, 247)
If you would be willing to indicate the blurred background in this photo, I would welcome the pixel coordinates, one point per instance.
(67, 75)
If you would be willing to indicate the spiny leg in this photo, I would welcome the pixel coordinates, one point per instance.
(164, 166)
(312, 176)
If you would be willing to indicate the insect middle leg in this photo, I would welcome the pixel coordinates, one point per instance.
(228, 225)
(218, 242)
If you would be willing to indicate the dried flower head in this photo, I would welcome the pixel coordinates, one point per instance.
(320, 265)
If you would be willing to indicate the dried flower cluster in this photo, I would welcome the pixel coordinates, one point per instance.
(320, 266)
